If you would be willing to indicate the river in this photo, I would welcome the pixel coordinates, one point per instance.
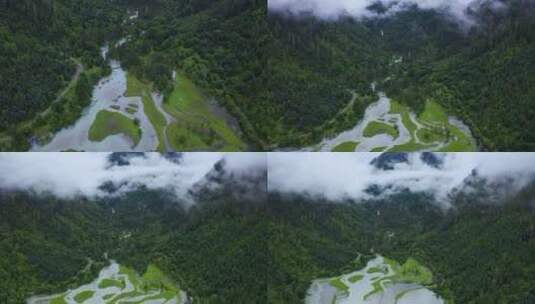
(108, 294)
(380, 111)
(108, 92)
(322, 292)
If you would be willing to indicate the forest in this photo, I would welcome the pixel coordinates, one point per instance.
(484, 74)
(287, 80)
(42, 44)
(219, 45)
(46, 242)
(479, 252)
(228, 250)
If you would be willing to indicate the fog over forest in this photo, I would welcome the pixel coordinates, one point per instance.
(339, 176)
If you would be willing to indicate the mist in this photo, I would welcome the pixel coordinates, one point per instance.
(334, 9)
(69, 175)
(341, 176)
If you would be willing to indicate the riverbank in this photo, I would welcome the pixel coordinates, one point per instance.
(119, 284)
(393, 127)
(382, 281)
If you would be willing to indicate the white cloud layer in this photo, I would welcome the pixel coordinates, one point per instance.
(72, 174)
(338, 176)
(332, 9)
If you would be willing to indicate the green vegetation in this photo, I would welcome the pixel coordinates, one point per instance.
(105, 283)
(134, 87)
(338, 284)
(216, 45)
(412, 145)
(441, 130)
(486, 69)
(413, 272)
(84, 295)
(376, 128)
(334, 58)
(45, 243)
(197, 127)
(377, 288)
(152, 286)
(430, 136)
(50, 59)
(311, 239)
(461, 143)
(402, 294)
(131, 110)
(433, 113)
(355, 278)
(436, 129)
(110, 123)
(375, 270)
(58, 300)
(287, 81)
(349, 146)
(313, 63)
(378, 149)
(154, 278)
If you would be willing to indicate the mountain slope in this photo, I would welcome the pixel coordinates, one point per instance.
(482, 75)
(478, 253)
(42, 44)
(211, 242)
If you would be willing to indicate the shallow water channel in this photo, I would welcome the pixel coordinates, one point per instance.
(360, 291)
(127, 294)
(107, 93)
(380, 111)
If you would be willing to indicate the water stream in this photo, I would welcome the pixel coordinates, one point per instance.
(380, 111)
(108, 94)
(360, 291)
(108, 294)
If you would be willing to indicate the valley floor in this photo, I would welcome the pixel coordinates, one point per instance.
(119, 284)
(388, 126)
(382, 281)
(126, 114)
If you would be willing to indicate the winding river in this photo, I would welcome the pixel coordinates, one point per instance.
(108, 94)
(128, 294)
(380, 111)
(361, 290)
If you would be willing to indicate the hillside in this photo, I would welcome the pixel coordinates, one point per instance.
(212, 248)
(477, 254)
(482, 74)
(42, 45)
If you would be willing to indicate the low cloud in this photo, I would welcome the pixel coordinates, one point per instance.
(340, 176)
(333, 9)
(68, 175)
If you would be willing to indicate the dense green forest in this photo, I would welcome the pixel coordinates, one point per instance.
(312, 68)
(42, 44)
(478, 252)
(287, 80)
(484, 74)
(46, 244)
(219, 44)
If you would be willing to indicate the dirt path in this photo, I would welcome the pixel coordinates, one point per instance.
(74, 80)
(157, 99)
